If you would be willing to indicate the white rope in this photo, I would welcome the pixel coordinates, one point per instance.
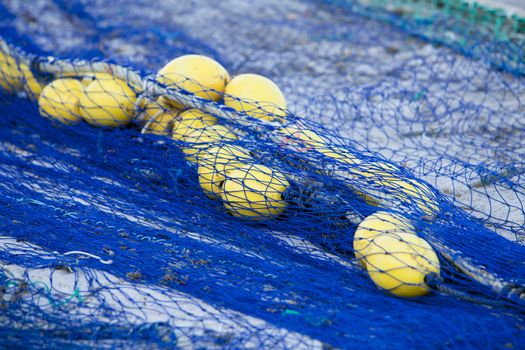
(79, 252)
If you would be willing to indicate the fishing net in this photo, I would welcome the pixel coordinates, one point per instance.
(382, 205)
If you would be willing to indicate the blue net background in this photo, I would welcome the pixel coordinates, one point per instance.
(107, 241)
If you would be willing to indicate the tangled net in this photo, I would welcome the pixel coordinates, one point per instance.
(376, 201)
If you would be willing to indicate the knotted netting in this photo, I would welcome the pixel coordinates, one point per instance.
(380, 204)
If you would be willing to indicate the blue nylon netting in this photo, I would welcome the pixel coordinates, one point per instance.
(107, 240)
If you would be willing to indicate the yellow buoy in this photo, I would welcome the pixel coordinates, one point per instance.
(164, 102)
(29, 83)
(400, 262)
(108, 102)
(150, 108)
(256, 96)
(340, 154)
(161, 124)
(87, 78)
(197, 74)
(220, 156)
(210, 180)
(299, 140)
(59, 100)
(189, 121)
(10, 74)
(393, 186)
(353, 166)
(254, 192)
(217, 161)
(16, 76)
(303, 140)
(206, 137)
(398, 188)
(156, 118)
(380, 170)
(376, 224)
(415, 192)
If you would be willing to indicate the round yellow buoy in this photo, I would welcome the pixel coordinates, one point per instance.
(254, 192)
(399, 263)
(59, 100)
(206, 137)
(197, 74)
(376, 224)
(108, 102)
(189, 121)
(217, 161)
(256, 96)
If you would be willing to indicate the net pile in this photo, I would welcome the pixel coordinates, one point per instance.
(381, 204)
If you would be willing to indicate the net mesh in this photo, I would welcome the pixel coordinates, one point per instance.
(382, 205)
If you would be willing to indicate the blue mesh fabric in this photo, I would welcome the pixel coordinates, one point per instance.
(107, 240)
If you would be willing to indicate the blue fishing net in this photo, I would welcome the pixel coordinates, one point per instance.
(109, 238)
